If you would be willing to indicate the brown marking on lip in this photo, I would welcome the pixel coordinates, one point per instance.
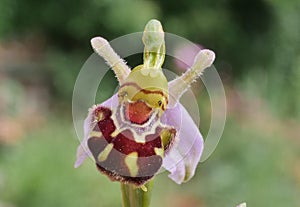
(145, 91)
(124, 143)
(131, 84)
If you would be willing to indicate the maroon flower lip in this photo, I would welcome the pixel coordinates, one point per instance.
(119, 155)
(138, 112)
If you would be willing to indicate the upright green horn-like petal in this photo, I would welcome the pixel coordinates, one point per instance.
(103, 48)
(178, 86)
(154, 41)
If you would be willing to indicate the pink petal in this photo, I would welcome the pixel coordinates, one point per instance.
(83, 151)
(184, 157)
(185, 56)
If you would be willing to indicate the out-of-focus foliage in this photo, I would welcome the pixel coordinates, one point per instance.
(252, 38)
(43, 45)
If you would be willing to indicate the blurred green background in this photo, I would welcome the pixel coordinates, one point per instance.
(43, 45)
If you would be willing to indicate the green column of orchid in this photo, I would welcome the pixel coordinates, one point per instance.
(154, 55)
(154, 41)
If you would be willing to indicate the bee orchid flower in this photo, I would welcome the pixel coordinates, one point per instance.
(143, 127)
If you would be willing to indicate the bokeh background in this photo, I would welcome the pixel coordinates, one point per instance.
(43, 45)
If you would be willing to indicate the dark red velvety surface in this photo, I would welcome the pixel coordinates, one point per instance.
(123, 144)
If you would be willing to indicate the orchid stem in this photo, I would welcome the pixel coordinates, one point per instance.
(133, 196)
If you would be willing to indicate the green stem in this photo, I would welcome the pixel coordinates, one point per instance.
(136, 197)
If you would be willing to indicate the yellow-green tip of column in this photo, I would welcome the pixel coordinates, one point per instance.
(154, 41)
(153, 36)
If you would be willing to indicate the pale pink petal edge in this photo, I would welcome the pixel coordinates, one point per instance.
(183, 158)
(82, 151)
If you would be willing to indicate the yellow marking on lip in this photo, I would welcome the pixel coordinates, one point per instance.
(140, 139)
(95, 134)
(115, 133)
(131, 163)
(104, 154)
(159, 151)
(100, 116)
